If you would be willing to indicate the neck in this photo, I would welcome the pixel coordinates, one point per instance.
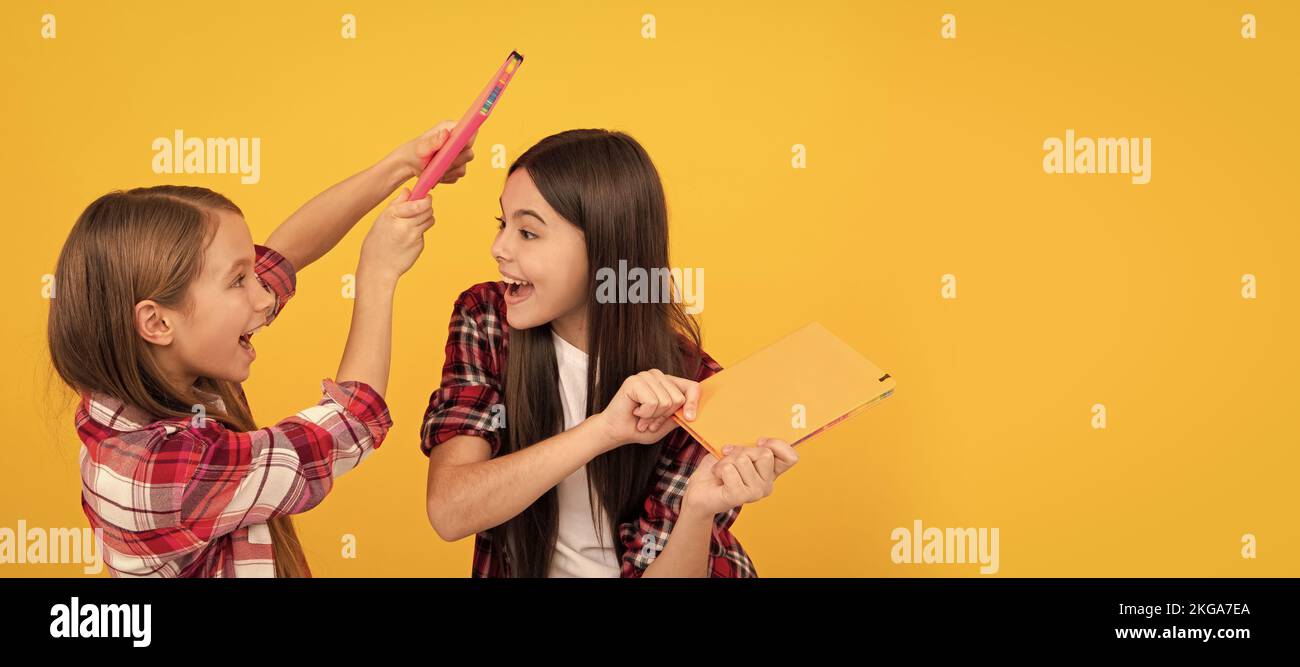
(572, 327)
(179, 379)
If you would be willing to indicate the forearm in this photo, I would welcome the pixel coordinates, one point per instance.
(367, 354)
(473, 497)
(323, 221)
(687, 551)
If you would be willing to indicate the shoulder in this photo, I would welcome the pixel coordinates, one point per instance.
(477, 332)
(481, 300)
(480, 310)
(112, 430)
(134, 471)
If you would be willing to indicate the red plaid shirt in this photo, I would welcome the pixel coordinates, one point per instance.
(186, 497)
(472, 385)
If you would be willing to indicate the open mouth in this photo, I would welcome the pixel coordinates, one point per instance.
(517, 290)
(246, 338)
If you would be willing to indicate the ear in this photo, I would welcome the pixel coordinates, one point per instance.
(153, 323)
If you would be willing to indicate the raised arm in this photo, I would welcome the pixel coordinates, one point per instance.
(322, 222)
(391, 247)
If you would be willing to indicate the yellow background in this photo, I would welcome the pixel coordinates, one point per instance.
(923, 159)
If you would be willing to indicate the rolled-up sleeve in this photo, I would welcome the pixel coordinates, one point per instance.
(469, 399)
(234, 479)
(277, 275)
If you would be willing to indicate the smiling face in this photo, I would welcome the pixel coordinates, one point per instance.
(543, 261)
(210, 335)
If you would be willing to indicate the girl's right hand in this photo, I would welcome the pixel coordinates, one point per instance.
(396, 239)
(641, 411)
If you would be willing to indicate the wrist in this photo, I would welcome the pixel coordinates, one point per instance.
(395, 170)
(601, 435)
(692, 513)
(378, 278)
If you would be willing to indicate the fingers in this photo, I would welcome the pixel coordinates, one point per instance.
(660, 428)
(458, 167)
(431, 141)
(654, 402)
(706, 462)
(434, 139)
(417, 215)
(691, 390)
(671, 398)
(453, 175)
(764, 459)
(748, 474)
(733, 487)
(423, 226)
(649, 394)
(740, 473)
(764, 463)
(640, 392)
(657, 396)
(768, 454)
(419, 209)
(784, 454)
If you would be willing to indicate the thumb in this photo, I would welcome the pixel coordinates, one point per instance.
(706, 463)
(402, 195)
(432, 141)
(692, 391)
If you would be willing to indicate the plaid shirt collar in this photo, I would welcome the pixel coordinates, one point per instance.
(113, 413)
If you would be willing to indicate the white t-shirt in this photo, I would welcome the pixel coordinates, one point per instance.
(578, 553)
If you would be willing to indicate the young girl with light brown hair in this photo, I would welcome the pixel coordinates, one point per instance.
(160, 290)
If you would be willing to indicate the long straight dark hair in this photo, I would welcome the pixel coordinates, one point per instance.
(605, 183)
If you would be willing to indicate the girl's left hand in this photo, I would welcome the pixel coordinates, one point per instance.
(743, 475)
(414, 154)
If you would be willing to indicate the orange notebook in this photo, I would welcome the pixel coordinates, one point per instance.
(792, 390)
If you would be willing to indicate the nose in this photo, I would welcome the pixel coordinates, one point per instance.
(263, 298)
(501, 249)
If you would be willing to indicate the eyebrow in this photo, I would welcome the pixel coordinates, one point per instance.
(522, 211)
(527, 211)
(238, 264)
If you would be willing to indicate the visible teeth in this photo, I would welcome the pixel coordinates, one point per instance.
(512, 281)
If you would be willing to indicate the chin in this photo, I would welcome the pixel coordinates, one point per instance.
(236, 374)
(518, 320)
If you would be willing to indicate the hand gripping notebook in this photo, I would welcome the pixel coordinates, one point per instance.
(810, 374)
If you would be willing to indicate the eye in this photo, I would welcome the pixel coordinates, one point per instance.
(239, 282)
(528, 236)
(501, 221)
